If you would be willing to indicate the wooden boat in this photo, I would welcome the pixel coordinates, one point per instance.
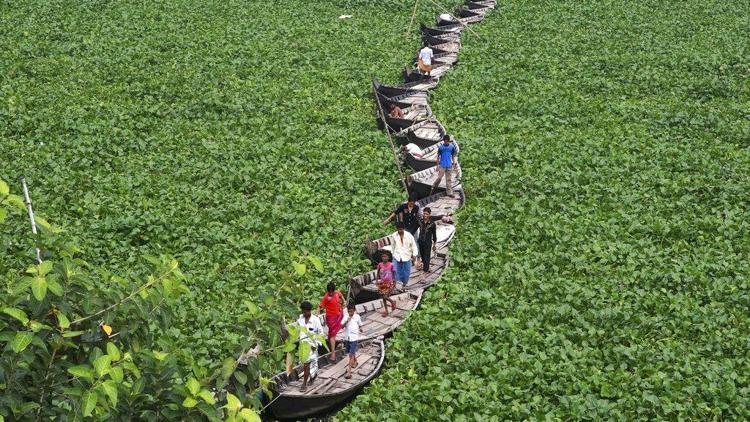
(469, 16)
(374, 324)
(442, 58)
(420, 183)
(438, 40)
(422, 159)
(364, 287)
(402, 95)
(329, 387)
(422, 84)
(480, 4)
(439, 69)
(441, 38)
(397, 124)
(450, 26)
(438, 44)
(476, 8)
(424, 133)
(446, 34)
(443, 205)
(411, 111)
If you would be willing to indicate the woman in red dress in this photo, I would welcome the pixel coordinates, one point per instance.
(333, 304)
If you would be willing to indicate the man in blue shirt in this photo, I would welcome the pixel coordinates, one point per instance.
(446, 162)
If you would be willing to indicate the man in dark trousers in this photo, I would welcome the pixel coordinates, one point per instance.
(427, 240)
(407, 213)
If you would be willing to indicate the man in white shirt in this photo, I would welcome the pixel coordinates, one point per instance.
(352, 323)
(312, 325)
(404, 250)
(425, 60)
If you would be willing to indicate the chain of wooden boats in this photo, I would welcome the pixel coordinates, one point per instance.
(330, 386)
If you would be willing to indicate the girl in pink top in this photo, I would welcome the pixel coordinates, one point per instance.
(385, 282)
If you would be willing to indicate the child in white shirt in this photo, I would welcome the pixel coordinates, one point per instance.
(352, 323)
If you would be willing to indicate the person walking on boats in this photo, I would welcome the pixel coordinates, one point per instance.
(312, 326)
(352, 324)
(446, 163)
(385, 284)
(424, 63)
(427, 239)
(404, 254)
(333, 303)
(407, 213)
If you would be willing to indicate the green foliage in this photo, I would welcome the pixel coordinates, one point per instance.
(600, 271)
(85, 350)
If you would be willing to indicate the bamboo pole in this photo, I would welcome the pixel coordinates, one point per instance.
(390, 139)
(411, 22)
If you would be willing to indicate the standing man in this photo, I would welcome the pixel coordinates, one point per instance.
(427, 239)
(407, 213)
(425, 60)
(404, 253)
(312, 326)
(446, 163)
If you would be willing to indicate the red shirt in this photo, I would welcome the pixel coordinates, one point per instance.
(332, 303)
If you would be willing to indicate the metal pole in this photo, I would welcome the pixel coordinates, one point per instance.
(27, 199)
(393, 145)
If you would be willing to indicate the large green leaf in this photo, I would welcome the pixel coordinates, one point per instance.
(233, 403)
(113, 352)
(249, 415)
(82, 371)
(39, 287)
(88, 402)
(299, 268)
(102, 365)
(193, 386)
(17, 314)
(189, 402)
(21, 341)
(110, 389)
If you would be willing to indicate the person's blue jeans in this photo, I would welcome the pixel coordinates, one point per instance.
(403, 270)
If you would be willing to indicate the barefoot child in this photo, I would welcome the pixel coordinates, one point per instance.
(385, 282)
(352, 324)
